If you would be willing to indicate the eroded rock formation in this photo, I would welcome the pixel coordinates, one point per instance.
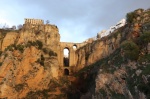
(115, 66)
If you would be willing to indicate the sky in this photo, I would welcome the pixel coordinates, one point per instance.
(77, 20)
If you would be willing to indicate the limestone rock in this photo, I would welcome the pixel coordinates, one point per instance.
(95, 51)
(9, 39)
(114, 81)
(21, 73)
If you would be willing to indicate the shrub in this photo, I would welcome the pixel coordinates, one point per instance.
(49, 51)
(19, 87)
(10, 47)
(37, 43)
(16, 47)
(131, 50)
(52, 53)
(40, 44)
(144, 39)
(0, 53)
(45, 50)
(20, 48)
(144, 58)
(1, 63)
(42, 60)
(29, 43)
(145, 88)
(40, 94)
(131, 16)
(6, 55)
(116, 35)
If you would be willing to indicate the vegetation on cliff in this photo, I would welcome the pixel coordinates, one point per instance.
(116, 66)
(27, 65)
(124, 73)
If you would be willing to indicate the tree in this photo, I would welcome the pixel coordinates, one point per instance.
(130, 49)
(13, 27)
(144, 39)
(131, 17)
(5, 26)
(47, 22)
(19, 26)
(98, 35)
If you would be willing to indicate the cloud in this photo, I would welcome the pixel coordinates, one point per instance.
(77, 20)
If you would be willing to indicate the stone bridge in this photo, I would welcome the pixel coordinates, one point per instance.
(68, 64)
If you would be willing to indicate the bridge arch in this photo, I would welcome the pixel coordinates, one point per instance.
(74, 47)
(66, 72)
(66, 57)
(69, 63)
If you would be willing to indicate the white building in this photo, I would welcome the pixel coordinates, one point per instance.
(121, 23)
(103, 33)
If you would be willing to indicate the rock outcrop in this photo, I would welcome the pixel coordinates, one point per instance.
(115, 66)
(95, 51)
(28, 61)
(9, 39)
(22, 73)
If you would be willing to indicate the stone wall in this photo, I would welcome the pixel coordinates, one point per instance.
(34, 21)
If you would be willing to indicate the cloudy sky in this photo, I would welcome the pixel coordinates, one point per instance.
(77, 20)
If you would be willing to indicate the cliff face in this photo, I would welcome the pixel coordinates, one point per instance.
(27, 64)
(20, 73)
(9, 39)
(47, 34)
(117, 66)
(97, 50)
(103, 47)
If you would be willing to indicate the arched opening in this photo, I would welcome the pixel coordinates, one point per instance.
(66, 72)
(112, 47)
(74, 47)
(66, 57)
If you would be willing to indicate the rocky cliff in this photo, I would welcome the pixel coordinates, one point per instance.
(97, 50)
(28, 61)
(117, 66)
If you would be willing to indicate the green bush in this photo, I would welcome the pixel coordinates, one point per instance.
(16, 47)
(52, 53)
(19, 87)
(29, 44)
(37, 94)
(45, 50)
(144, 39)
(130, 17)
(146, 70)
(37, 43)
(41, 60)
(1, 63)
(145, 88)
(1, 53)
(144, 58)
(131, 50)
(10, 47)
(40, 44)
(20, 48)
